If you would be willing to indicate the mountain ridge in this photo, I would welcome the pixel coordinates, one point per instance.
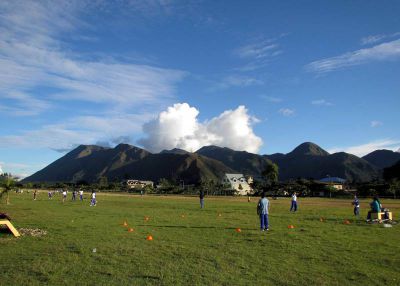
(307, 160)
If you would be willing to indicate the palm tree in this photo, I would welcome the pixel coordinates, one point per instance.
(7, 184)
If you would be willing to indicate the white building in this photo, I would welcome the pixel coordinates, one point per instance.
(137, 184)
(238, 183)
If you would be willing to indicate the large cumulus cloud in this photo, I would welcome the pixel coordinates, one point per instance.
(178, 127)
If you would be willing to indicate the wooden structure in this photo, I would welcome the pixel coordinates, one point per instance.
(8, 224)
(381, 216)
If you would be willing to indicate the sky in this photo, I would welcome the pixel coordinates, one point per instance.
(259, 76)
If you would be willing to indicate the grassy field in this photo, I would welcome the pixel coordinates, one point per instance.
(193, 246)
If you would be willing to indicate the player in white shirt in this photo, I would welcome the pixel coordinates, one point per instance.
(64, 195)
(93, 200)
(293, 206)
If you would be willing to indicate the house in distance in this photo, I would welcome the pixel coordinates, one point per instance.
(334, 182)
(138, 184)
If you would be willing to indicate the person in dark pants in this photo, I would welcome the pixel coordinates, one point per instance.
(293, 207)
(375, 207)
(263, 211)
(201, 199)
(356, 204)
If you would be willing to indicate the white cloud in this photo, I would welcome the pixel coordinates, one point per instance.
(286, 111)
(321, 102)
(178, 127)
(79, 130)
(364, 149)
(372, 39)
(381, 52)
(376, 123)
(33, 57)
(258, 53)
(239, 81)
(259, 50)
(19, 170)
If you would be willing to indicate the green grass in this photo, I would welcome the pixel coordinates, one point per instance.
(202, 248)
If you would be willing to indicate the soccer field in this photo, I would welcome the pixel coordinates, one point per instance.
(192, 246)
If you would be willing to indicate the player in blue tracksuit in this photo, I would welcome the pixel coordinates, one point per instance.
(263, 211)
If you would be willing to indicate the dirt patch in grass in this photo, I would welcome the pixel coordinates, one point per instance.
(32, 232)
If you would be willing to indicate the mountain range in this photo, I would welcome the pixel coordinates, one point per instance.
(90, 163)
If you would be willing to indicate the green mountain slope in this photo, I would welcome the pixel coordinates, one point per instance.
(240, 161)
(308, 160)
(89, 163)
(382, 158)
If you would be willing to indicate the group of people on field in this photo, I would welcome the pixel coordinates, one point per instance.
(64, 192)
(264, 204)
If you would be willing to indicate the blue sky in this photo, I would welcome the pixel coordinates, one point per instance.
(261, 76)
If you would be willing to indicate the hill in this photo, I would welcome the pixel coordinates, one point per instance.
(382, 158)
(308, 160)
(90, 163)
(240, 161)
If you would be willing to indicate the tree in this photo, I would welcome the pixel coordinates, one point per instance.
(103, 182)
(7, 184)
(271, 174)
(394, 187)
(392, 172)
(331, 189)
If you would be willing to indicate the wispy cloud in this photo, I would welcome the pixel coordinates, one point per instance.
(33, 57)
(257, 53)
(381, 52)
(234, 81)
(271, 98)
(373, 39)
(19, 170)
(364, 149)
(321, 102)
(286, 111)
(376, 123)
(79, 130)
(260, 50)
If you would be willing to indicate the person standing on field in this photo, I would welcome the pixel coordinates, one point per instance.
(263, 211)
(201, 199)
(93, 201)
(64, 195)
(356, 204)
(293, 206)
(81, 195)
